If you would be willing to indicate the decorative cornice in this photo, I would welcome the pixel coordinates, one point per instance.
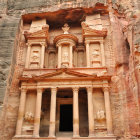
(75, 76)
(89, 32)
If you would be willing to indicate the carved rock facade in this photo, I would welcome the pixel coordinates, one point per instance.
(79, 56)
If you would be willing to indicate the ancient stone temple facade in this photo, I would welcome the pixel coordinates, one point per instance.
(73, 75)
(65, 85)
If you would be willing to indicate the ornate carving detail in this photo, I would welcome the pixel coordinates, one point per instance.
(75, 89)
(29, 117)
(100, 115)
(106, 89)
(23, 90)
(89, 89)
(53, 90)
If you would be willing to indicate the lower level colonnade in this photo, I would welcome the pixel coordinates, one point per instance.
(52, 126)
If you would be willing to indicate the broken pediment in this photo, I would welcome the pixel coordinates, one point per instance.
(40, 34)
(89, 32)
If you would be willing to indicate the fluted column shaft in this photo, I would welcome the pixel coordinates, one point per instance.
(53, 113)
(75, 113)
(37, 112)
(21, 112)
(28, 56)
(90, 111)
(108, 111)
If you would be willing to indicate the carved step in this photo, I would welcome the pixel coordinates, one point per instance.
(63, 138)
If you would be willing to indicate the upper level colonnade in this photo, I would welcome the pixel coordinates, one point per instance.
(65, 52)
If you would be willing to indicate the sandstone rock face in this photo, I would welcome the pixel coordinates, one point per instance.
(124, 27)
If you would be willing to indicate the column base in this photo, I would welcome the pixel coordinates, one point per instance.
(110, 134)
(36, 136)
(75, 136)
(17, 136)
(51, 136)
(91, 135)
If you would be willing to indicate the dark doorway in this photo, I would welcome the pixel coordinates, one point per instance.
(66, 118)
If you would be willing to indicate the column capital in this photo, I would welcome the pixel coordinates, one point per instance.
(28, 44)
(75, 89)
(87, 42)
(43, 44)
(101, 41)
(23, 89)
(89, 89)
(106, 89)
(39, 89)
(54, 89)
(58, 45)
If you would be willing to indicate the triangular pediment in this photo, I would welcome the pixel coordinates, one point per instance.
(63, 73)
(87, 31)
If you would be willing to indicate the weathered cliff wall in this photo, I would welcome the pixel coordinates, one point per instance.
(125, 92)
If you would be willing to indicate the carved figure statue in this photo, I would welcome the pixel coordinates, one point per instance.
(35, 57)
(66, 28)
(100, 115)
(29, 116)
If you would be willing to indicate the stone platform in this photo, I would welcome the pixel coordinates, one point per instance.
(67, 138)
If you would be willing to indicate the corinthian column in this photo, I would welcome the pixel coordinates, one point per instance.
(21, 112)
(75, 113)
(52, 113)
(37, 112)
(42, 55)
(87, 54)
(108, 111)
(28, 56)
(90, 112)
(59, 56)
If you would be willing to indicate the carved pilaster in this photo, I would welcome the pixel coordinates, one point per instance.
(108, 111)
(37, 112)
(21, 112)
(28, 55)
(43, 45)
(87, 53)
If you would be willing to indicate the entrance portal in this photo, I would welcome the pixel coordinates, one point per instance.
(66, 118)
